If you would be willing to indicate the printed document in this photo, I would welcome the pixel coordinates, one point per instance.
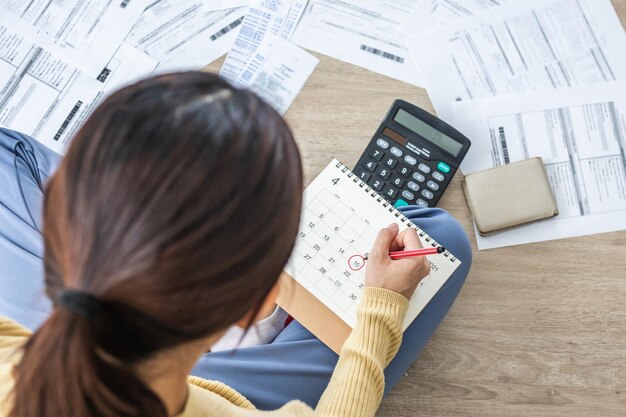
(84, 33)
(366, 33)
(185, 35)
(46, 97)
(581, 135)
(521, 46)
(224, 4)
(283, 74)
(278, 17)
(431, 14)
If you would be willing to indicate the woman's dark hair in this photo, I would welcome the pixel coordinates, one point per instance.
(176, 208)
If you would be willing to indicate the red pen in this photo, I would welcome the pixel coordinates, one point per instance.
(401, 254)
(356, 262)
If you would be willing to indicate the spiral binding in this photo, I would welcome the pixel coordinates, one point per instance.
(405, 220)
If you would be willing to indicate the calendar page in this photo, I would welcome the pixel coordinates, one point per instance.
(341, 218)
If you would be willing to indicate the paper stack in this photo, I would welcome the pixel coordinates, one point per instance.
(534, 78)
(521, 78)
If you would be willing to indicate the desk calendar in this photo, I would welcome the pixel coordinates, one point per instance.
(341, 217)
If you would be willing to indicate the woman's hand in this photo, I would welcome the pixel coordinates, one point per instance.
(400, 275)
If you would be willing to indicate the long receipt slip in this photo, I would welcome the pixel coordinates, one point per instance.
(341, 217)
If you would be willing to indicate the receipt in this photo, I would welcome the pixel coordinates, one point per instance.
(185, 35)
(258, 58)
(521, 47)
(278, 17)
(362, 32)
(84, 33)
(49, 99)
(283, 74)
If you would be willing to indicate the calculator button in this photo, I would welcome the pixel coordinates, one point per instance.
(443, 167)
(404, 171)
(377, 154)
(419, 177)
(397, 181)
(413, 186)
(432, 185)
(421, 203)
(391, 192)
(370, 165)
(396, 152)
(427, 194)
(400, 203)
(408, 195)
(382, 143)
(365, 176)
(391, 163)
(383, 172)
(424, 168)
(410, 160)
(437, 175)
(376, 183)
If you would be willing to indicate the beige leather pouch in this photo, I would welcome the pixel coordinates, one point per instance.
(509, 195)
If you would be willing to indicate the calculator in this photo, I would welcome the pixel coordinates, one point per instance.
(412, 156)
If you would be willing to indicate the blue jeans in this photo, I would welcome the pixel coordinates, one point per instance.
(295, 366)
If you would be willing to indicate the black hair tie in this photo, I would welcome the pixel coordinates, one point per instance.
(79, 302)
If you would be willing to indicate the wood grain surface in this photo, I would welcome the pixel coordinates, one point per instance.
(538, 330)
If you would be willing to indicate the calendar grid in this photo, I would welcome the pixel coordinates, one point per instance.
(341, 218)
(330, 253)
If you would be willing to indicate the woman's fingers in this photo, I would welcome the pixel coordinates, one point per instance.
(406, 240)
(383, 243)
(410, 239)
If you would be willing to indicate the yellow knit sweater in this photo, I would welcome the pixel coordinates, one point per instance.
(355, 388)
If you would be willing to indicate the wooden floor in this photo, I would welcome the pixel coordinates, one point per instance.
(538, 330)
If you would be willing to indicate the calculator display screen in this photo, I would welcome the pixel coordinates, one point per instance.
(428, 132)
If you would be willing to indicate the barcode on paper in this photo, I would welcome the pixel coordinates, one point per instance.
(226, 29)
(67, 120)
(383, 54)
(505, 148)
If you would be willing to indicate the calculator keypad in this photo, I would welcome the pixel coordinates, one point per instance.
(432, 185)
(413, 186)
(396, 151)
(424, 168)
(419, 177)
(382, 143)
(396, 181)
(410, 160)
(407, 195)
(391, 192)
(383, 172)
(377, 183)
(391, 162)
(377, 154)
(370, 165)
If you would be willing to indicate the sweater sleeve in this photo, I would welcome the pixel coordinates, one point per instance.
(357, 384)
(12, 338)
(222, 390)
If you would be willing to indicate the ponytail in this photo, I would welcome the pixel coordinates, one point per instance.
(164, 178)
(63, 373)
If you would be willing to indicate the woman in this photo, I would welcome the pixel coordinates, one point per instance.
(169, 220)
